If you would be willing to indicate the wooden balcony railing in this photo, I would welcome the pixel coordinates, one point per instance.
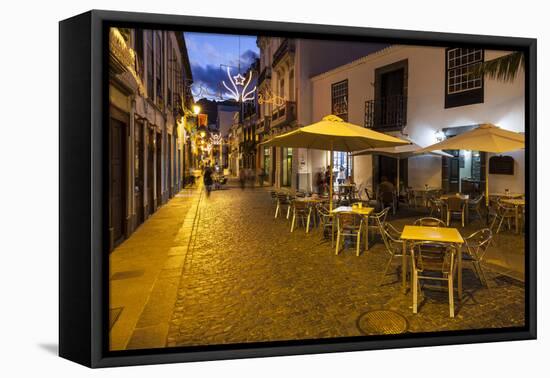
(386, 113)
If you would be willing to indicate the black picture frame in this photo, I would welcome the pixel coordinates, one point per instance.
(83, 277)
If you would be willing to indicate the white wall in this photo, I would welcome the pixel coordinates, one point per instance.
(503, 105)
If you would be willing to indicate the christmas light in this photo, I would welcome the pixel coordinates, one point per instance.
(239, 95)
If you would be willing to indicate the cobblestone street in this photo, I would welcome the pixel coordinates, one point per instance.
(244, 278)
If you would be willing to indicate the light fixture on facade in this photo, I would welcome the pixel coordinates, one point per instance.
(196, 109)
(439, 135)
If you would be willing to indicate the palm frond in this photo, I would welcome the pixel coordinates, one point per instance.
(504, 68)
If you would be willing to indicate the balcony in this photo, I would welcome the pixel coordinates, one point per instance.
(284, 115)
(286, 47)
(263, 126)
(264, 75)
(386, 113)
(123, 62)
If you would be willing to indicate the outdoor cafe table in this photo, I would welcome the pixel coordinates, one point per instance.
(506, 194)
(517, 203)
(424, 192)
(435, 234)
(361, 211)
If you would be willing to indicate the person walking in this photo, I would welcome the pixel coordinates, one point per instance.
(207, 178)
(242, 177)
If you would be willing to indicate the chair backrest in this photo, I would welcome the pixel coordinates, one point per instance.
(380, 217)
(370, 195)
(506, 210)
(392, 239)
(299, 205)
(478, 199)
(429, 255)
(455, 203)
(429, 222)
(478, 243)
(282, 197)
(273, 193)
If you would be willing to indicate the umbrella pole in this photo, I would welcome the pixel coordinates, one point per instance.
(397, 179)
(487, 184)
(330, 184)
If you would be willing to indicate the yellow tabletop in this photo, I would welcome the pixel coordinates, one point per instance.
(504, 194)
(310, 199)
(514, 202)
(463, 197)
(424, 189)
(436, 234)
(354, 210)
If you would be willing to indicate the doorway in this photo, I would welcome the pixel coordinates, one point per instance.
(158, 180)
(117, 180)
(385, 166)
(150, 171)
(287, 167)
(464, 172)
(139, 172)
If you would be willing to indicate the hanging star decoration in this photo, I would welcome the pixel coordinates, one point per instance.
(239, 91)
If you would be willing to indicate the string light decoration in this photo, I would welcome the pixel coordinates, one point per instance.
(267, 97)
(216, 139)
(239, 91)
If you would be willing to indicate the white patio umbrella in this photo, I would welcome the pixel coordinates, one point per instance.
(400, 152)
(332, 133)
(485, 138)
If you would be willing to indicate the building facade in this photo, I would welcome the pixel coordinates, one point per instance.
(149, 77)
(284, 99)
(423, 94)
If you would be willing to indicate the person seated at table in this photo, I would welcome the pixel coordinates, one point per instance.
(385, 186)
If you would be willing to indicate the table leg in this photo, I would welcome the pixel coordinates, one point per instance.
(366, 233)
(459, 249)
(517, 219)
(404, 268)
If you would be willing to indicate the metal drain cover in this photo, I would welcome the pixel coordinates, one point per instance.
(382, 322)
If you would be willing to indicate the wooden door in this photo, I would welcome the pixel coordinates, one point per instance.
(117, 181)
(450, 172)
(139, 171)
(159, 168)
(150, 171)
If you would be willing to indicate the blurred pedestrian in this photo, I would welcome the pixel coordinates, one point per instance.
(242, 177)
(207, 178)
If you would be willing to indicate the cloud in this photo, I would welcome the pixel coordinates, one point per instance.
(248, 57)
(209, 77)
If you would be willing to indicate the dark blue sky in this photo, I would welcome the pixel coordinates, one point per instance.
(209, 53)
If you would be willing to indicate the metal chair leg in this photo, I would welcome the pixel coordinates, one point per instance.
(451, 297)
(293, 220)
(415, 292)
(358, 246)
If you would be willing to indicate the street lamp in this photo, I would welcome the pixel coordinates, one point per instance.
(196, 109)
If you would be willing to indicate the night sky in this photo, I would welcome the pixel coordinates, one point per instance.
(210, 53)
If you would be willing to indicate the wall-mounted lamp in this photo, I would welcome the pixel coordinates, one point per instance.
(439, 135)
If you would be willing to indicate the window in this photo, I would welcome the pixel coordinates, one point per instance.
(139, 52)
(339, 92)
(462, 85)
(158, 67)
(150, 84)
(291, 86)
